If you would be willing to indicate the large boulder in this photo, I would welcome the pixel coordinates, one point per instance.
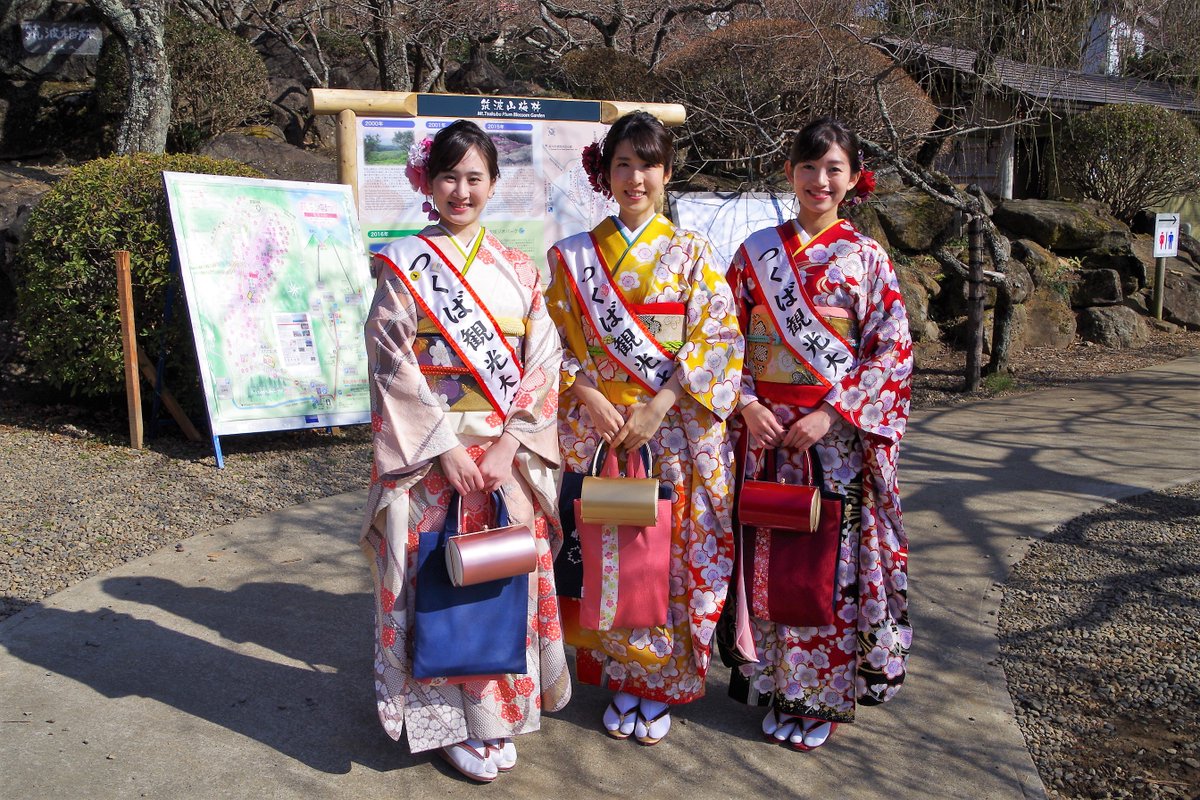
(20, 188)
(917, 286)
(1047, 321)
(264, 149)
(1181, 298)
(62, 42)
(1044, 267)
(911, 218)
(866, 220)
(1118, 327)
(1060, 225)
(1096, 287)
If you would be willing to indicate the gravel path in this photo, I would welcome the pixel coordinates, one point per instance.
(1098, 635)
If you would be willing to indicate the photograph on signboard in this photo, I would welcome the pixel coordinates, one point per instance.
(278, 287)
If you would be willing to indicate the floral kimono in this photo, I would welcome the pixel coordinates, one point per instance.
(447, 369)
(825, 322)
(678, 316)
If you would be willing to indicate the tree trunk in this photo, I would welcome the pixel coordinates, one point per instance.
(391, 55)
(1001, 330)
(139, 27)
(975, 299)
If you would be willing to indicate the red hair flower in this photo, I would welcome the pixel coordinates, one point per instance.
(593, 166)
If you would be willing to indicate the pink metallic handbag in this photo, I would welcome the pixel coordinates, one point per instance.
(492, 553)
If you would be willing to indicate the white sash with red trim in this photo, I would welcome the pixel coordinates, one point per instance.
(803, 331)
(465, 322)
(621, 332)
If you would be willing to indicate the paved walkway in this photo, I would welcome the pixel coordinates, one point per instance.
(240, 666)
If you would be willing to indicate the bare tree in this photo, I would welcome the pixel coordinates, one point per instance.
(140, 27)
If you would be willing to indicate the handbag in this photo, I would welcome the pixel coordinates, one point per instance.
(608, 496)
(568, 564)
(626, 567)
(775, 504)
(467, 631)
(789, 573)
(492, 553)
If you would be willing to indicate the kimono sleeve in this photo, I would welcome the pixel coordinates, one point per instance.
(710, 361)
(567, 317)
(741, 287)
(875, 397)
(533, 418)
(408, 424)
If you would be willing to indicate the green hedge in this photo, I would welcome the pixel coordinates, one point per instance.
(66, 277)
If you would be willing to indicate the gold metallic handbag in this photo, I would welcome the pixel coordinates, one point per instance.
(612, 497)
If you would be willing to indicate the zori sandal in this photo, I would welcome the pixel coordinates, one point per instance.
(503, 753)
(814, 733)
(471, 758)
(651, 730)
(778, 726)
(619, 717)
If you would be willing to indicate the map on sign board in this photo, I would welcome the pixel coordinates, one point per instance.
(727, 218)
(278, 289)
(542, 196)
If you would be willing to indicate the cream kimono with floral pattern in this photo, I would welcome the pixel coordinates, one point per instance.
(409, 493)
(664, 265)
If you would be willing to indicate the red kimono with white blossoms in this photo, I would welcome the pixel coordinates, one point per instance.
(823, 672)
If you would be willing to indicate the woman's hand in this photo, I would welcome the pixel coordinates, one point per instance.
(496, 464)
(461, 470)
(764, 429)
(646, 418)
(808, 430)
(605, 417)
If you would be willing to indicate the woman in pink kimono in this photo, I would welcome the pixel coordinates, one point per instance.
(464, 364)
(828, 364)
(653, 356)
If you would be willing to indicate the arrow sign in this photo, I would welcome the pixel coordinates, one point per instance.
(1166, 235)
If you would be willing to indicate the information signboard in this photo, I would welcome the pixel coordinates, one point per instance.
(278, 288)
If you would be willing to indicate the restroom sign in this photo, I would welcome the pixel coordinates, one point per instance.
(1166, 235)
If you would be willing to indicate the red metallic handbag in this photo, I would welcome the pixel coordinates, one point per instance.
(790, 574)
(775, 504)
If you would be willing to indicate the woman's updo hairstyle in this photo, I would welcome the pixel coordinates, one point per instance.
(455, 141)
(814, 140)
(650, 139)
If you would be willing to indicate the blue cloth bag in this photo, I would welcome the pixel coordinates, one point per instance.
(465, 631)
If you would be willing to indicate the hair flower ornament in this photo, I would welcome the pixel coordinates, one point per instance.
(593, 166)
(864, 187)
(417, 172)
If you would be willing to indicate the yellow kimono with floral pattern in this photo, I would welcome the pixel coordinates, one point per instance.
(674, 268)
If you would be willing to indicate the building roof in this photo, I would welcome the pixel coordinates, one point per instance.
(1058, 86)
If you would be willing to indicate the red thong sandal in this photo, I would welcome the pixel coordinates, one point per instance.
(472, 760)
(814, 733)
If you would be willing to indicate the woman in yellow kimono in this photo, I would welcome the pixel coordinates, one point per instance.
(464, 364)
(652, 354)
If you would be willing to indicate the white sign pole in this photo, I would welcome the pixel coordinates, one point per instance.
(1166, 245)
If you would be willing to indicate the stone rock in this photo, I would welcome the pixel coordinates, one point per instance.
(911, 218)
(1096, 287)
(1048, 321)
(1181, 299)
(17, 63)
(866, 220)
(20, 188)
(916, 302)
(1058, 224)
(274, 158)
(1118, 327)
(1020, 280)
(1043, 265)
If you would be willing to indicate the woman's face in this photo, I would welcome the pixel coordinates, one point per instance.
(637, 185)
(461, 192)
(822, 184)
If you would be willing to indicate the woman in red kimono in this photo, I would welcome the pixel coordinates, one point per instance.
(828, 365)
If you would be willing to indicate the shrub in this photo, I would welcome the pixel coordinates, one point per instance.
(602, 73)
(66, 279)
(218, 81)
(749, 86)
(1130, 157)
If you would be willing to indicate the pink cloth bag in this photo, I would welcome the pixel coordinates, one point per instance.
(626, 568)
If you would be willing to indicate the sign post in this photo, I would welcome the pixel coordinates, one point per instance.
(1166, 245)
